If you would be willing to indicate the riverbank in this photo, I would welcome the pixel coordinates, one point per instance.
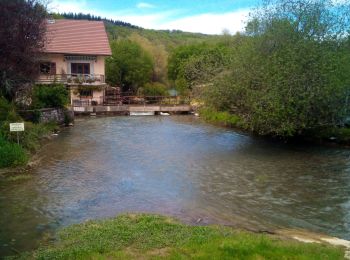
(30, 141)
(135, 236)
(325, 136)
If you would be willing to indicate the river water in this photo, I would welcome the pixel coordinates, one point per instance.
(177, 166)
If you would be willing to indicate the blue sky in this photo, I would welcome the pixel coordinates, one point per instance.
(203, 16)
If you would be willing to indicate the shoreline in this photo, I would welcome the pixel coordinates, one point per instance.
(144, 234)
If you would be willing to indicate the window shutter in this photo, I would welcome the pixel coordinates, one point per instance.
(53, 68)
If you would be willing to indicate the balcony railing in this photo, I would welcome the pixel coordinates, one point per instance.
(72, 79)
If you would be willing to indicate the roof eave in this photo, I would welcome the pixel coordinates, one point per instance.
(76, 53)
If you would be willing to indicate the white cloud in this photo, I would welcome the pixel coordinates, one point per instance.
(208, 23)
(144, 5)
(75, 6)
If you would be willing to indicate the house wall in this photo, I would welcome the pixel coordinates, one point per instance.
(61, 65)
(64, 66)
(97, 95)
(99, 65)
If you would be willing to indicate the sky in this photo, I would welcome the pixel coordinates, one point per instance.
(203, 16)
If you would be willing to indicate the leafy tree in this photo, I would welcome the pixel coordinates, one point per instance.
(153, 89)
(22, 33)
(130, 66)
(197, 64)
(299, 73)
(290, 71)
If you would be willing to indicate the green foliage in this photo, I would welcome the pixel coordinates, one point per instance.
(29, 139)
(130, 66)
(222, 118)
(150, 236)
(8, 111)
(11, 154)
(50, 96)
(153, 89)
(289, 73)
(197, 64)
(34, 133)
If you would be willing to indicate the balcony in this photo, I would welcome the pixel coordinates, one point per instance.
(72, 79)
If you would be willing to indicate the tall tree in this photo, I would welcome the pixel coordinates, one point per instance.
(22, 30)
(129, 67)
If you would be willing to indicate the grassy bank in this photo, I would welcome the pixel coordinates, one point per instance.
(12, 154)
(221, 118)
(337, 135)
(156, 237)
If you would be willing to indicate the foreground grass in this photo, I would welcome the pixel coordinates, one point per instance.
(156, 237)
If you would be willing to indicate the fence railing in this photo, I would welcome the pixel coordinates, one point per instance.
(72, 78)
(132, 100)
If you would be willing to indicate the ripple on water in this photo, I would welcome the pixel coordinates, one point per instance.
(178, 166)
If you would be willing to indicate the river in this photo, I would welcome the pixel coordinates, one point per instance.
(177, 166)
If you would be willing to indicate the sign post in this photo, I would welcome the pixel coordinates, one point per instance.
(17, 127)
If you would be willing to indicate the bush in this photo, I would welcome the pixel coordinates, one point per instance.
(11, 154)
(153, 89)
(30, 138)
(33, 133)
(8, 111)
(49, 96)
(222, 118)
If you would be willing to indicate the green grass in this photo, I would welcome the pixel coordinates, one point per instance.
(222, 118)
(156, 237)
(11, 154)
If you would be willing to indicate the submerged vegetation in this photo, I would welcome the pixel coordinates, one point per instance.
(156, 237)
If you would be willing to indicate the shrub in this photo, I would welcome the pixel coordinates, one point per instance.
(8, 111)
(153, 89)
(222, 118)
(55, 95)
(30, 138)
(11, 154)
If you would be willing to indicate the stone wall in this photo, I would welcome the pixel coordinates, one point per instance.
(45, 115)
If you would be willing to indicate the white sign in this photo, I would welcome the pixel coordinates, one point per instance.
(16, 127)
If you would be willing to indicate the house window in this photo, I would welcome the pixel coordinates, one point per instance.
(85, 93)
(48, 68)
(80, 68)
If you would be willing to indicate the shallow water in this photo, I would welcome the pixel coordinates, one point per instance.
(176, 166)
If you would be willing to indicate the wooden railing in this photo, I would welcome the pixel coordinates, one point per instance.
(72, 79)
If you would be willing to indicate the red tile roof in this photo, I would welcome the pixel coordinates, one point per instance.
(77, 37)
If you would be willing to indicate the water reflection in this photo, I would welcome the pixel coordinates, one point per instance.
(177, 166)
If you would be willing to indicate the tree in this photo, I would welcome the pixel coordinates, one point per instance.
(300, 54)
(288, 73)
(22, 31)
(129, 67)
(197, 64)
